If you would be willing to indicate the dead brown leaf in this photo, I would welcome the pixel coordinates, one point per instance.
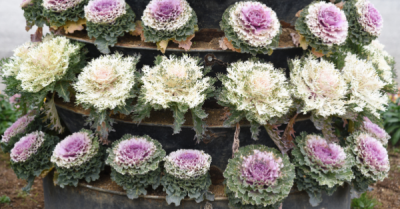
(225, 44)
(71, 27)
(186, 44)
(138, 30)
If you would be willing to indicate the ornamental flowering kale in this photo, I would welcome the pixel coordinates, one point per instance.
(369, 17)
(64, 12)
(74, 150)
(134, 162)
(365, 22)
(187, 174)
(176, 83)
(254, 90)
(47, 63)
(60, 5)
(165, 20)
(187, 164)
(105, 84)
(321, 166)
(251, 27)
(12, 68)
(27, 146)
(323, 25)
(364, 84)
(105, 11)
(107, 20)
(16, 128)
(31, 156)
(375, 131)
(319, 86)
(258, 176)
(383, 62)
(372, 161)
(78, 156)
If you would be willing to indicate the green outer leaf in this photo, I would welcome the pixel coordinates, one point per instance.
(34, 14)
(179, 117)
(107, 34)
(59, 19)
(181, 34)
(136, 185)
(243, 45)
(177, 189)
(37, 162)
(246, 195)
(199, 125)
(62, 90)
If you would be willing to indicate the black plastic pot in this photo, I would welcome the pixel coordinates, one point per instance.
(86, 196)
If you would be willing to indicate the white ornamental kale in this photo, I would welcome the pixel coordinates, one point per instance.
(167, 15)
(254, 23)
(46, 63)
(319, 85)
(60, 5)
(369, 17)
(364, 85)
(27, 146)
(107, 82)
(187, 164)
(321, 166)
(75, 150)
(12, 68)
(135, 155)
(258, 177)
(382, 60)
(255, 90)
(176, 83)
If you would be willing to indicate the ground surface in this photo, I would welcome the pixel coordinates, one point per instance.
(387, 192)
(11, 187)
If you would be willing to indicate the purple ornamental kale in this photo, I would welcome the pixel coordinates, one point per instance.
(73, 147)
(255, 18)
(27, 146)
(324, 153)
(328, 22)
(18, 127)
(166, 10)
(134, 151)
(375, 131)
(261, 168)
(104, 11)
(371, 19)
(372, 152)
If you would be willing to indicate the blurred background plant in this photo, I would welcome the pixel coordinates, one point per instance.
(8, 113)
(391, 118)
(5, 200)
(365, 201)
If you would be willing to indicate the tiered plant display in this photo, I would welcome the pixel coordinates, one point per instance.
(184, 127)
